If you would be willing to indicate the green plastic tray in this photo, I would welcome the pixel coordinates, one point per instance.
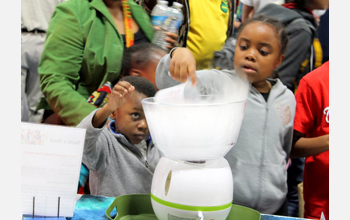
(139, 207)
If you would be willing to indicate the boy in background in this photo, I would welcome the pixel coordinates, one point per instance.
(142, 60)
(138, 60)
(120, 156)
(311, 140)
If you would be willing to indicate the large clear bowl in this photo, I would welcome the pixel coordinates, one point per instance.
(194, 132)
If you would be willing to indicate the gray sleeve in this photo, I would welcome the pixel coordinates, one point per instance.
(163, 78)
(209, 82)
(93, 152)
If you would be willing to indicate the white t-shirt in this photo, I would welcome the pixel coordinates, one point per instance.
(259, 4)
(36, 14)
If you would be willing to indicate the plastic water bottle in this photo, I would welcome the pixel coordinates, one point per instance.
(176, 10)
(159, 13)
(171, 24)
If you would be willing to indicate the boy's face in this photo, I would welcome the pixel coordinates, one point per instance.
(257, 52)
(130, 119)
(149, 72)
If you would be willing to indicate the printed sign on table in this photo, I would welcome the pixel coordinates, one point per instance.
(51, 159)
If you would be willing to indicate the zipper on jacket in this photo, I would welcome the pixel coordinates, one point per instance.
(137, 153)
(142, 158)
(258, 200)
(147, 164)
(146, 161)
(132, 148)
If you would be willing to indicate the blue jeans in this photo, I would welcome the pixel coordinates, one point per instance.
(295, 176)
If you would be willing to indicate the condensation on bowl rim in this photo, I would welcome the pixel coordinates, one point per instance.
(152, 101)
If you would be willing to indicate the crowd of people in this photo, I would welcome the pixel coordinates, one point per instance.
(92, 62)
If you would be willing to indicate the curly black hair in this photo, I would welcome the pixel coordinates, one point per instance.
(273, 22)
(141, 85)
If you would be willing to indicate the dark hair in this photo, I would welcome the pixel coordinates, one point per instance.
(141, 85)
(138, 55)
(279, 27)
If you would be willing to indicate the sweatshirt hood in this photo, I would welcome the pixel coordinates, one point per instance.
(277, 86)
(286, 15)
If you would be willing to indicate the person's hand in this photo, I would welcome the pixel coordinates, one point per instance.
(183, 65)
(120, 92)
(236, 24)
(171, 38)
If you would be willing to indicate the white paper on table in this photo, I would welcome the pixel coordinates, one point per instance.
(51, 159)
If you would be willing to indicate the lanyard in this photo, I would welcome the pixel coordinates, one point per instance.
(129, 35)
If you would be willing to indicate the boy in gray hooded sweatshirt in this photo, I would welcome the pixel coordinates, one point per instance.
(120, 156)
(259, 158)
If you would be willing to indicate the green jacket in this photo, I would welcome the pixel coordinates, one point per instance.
(83, 50)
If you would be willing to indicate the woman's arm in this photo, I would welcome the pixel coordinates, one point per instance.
(60, 65)
(246, 12)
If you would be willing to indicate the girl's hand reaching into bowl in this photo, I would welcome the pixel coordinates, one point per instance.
(183, 65)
